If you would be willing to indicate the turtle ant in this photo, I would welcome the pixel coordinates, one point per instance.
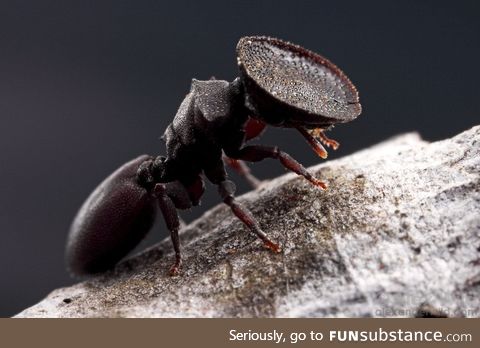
(280, 84)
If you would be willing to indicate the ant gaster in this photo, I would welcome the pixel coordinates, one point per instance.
(280, 84)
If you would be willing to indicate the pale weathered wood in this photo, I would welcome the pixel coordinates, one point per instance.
(398, 230)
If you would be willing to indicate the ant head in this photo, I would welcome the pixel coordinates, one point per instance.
(288, 86)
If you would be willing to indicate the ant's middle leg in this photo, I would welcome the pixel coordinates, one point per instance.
(256, 153)
(226, 189)
(242, 169)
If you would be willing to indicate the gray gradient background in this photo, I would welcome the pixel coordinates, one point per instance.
(87, 85)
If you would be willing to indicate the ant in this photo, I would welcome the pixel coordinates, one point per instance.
(280, 84)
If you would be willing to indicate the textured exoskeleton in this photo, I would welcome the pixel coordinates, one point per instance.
(280, 84)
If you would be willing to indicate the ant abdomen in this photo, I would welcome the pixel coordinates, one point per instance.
(112, 221)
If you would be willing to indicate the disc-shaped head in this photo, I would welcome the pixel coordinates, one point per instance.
(287, 85)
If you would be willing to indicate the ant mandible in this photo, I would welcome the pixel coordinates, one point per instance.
(280, 84)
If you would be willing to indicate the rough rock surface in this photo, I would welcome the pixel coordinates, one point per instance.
(396, 234)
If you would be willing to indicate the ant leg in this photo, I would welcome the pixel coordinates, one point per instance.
(180, 198)
(242, 169)
(226, 190)
(252, 129)
(171, 220)
(195, 190)
(255, 153)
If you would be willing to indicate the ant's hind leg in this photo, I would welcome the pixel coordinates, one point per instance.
(255, 153)
(172, 221)
(226, 190)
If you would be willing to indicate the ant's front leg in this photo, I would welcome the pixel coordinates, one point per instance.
(172, 221)
(256, 153)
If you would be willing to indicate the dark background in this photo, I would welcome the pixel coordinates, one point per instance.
(86, 86)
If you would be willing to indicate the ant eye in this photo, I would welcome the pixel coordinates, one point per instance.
(288, 82)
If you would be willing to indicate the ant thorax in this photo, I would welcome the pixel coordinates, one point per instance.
(210, 115)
